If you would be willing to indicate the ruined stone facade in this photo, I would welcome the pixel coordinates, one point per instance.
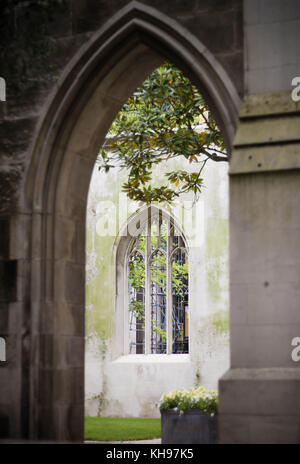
(120, 383)
(242, 55)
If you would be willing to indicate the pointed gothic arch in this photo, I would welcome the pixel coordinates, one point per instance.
(92, 89)
(139, 225)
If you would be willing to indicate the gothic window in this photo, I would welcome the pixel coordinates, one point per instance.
(158, 289)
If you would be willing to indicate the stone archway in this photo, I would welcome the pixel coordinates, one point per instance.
(95, 85)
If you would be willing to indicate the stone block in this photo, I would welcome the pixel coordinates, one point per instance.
(46, 351)
(69, 422)
(238, 296)
(15, 312)
(15, 349)
(215, 6)
(75, 283)
(80, 236)
(270, 11)
(233, 65)
(68, 386)
(45, 427)
(268, 104)
(65, 228)
(45, 391)
(267, 130)
(265, 303)
(4, 426)
(68, 351)
(20, 241)
(56, 18)
(71, 246)
(69, 319)
(77, 189)
(272, 79)
(89, 15)
(219, 26)
(276, 303)
(38, 266)
(233, 429)
(273, 44)
(4, 238)
(283, 429)
(240, 429)
(63, 51)
(262, 345)
(45, 313)
(15, 137)
(259, 406)
(8, 280)
(4, 318)
(29, 103)
(270, 158)
(10, 179)
(9, 376)
(265, 391)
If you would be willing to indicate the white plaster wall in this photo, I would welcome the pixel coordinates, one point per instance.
(132, 385)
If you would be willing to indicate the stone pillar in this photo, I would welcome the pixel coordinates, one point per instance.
(260, 394)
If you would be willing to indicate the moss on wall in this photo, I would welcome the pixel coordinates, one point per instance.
(100, 287)
(216, 323)
(216, 239)
(220, 320)
(216, 255)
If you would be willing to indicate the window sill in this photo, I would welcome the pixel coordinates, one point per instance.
(153, 358)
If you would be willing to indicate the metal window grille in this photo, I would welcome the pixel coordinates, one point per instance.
(158, 289)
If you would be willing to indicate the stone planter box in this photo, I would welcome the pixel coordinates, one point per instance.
(192, 427)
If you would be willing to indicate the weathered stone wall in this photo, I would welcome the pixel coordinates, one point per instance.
(218, 25)
(45, 171)
(36, 61)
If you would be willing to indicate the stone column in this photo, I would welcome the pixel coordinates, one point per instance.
(260, 394)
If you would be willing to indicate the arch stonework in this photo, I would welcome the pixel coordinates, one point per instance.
(48, 147)
(93, 88)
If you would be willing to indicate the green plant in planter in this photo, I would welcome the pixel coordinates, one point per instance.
(193, 398)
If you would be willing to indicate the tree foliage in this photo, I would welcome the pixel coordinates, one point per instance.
(165, 118)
